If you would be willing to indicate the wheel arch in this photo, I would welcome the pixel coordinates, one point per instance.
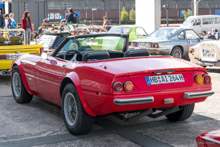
(24, 80)
(181, 47)
(73, 78)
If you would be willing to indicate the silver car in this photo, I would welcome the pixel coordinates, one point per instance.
(168, 41)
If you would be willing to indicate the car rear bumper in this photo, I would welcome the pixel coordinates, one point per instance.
(150, 99)
(105, 104)
(198, 94)
(204, 63)
(134, 101)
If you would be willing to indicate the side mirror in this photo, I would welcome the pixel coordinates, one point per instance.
(44, 56)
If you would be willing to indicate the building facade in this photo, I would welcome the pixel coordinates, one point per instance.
(110, 8)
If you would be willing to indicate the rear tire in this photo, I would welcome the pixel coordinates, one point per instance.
(18, 90)
(75, 118)
(183, 114)
(177, 52)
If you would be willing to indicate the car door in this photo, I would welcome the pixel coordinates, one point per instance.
(140, 33)
(49, 74)
(192, 38)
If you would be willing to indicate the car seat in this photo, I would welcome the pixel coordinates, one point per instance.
(95, 55)
(136, 52)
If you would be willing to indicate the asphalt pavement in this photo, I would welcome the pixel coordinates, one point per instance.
(40, 123)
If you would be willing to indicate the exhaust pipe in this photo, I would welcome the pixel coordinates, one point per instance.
(166, 112)
(142, 114)
(145, 113)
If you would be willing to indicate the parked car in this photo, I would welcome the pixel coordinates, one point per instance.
(12, 46)
(202, 23)
(172, 41)
(51, 40)
(205, 53)
(209, 139)
(93, 75)
(135, 32)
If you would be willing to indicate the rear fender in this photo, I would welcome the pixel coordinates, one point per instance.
(24, 80)
(76, 81)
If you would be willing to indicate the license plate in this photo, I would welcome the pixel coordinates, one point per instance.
(208, 53)
(12, 56)
(163, 79)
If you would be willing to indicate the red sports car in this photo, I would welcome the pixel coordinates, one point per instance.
(92, 75)
(209, 139)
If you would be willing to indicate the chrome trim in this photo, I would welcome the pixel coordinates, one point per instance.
(211, 140)
(169, 101)
(134, 101)
(201, 63)
(199, 94)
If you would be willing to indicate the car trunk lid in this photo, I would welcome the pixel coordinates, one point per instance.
(140, 70)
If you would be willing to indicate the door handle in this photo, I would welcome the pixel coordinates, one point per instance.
(64, 66)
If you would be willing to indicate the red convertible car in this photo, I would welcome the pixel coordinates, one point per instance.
(209, 139)
(93, 75)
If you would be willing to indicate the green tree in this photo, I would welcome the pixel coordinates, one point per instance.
(186, 13)
(124, 15)
(132, 15)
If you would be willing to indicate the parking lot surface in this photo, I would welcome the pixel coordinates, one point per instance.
(40, 123)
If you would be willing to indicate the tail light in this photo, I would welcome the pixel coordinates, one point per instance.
(154, 45)
(41, 50)
(128, 86)
(134, 44)
(199, 79)
(207, 79)
(117, 86)
(191, 50)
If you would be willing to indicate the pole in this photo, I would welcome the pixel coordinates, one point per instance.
(195, 7)
(167, 15)
(119, 12)
(92, 17)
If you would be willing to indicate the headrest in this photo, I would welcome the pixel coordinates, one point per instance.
(95, 55)
(14, 39)
(2, 39)
(115, 54)
(137, 52)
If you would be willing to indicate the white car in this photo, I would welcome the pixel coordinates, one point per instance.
(205, 53)
(202, 23)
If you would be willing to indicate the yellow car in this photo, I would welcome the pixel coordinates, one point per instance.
(12, 45)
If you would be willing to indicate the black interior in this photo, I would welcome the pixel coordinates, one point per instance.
(136, 53)
(115, 54)
(93, 55)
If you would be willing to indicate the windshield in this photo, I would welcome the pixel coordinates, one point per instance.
(121, 30)
(163, 33)
(116, 43)
(189, 21)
